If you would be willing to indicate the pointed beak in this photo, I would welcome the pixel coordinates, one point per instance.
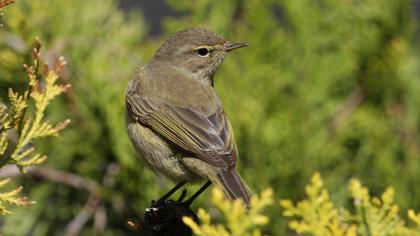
(231, 46)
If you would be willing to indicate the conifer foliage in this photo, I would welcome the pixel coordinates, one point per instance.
(328, 85)
(20, 126)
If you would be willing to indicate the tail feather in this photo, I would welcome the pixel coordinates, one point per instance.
(228, 180)
(233, 185)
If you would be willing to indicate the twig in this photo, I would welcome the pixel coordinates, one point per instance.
(74, 227)
(92, 206)
(99, 220)
(341, 115)
(54, 176)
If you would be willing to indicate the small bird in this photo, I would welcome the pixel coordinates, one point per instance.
(176, 120)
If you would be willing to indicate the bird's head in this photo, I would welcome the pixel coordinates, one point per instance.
(196, 51)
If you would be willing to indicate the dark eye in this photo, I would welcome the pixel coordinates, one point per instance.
(203, 52)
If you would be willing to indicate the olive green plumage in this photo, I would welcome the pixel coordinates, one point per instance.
(175, 119)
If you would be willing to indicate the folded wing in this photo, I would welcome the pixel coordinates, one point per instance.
(209, 137)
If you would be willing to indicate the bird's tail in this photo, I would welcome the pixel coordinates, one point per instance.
(232, 185)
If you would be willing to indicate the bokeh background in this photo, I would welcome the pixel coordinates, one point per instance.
(326, 85)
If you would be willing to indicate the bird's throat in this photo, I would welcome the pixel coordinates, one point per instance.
(201, 76)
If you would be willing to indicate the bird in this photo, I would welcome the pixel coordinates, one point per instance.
(176, 120)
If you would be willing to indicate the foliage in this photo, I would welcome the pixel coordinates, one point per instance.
(101, 45)
(25, 127)
(323, 85)
(239, 221)
(3, 4)
(32, 127)
(330, 86)
(317, 215)
(12, 197)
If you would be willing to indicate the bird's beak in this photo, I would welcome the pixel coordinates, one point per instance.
(231, 46)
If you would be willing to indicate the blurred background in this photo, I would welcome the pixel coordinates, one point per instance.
(327, 85)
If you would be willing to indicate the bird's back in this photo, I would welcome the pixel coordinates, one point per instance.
(175, 88)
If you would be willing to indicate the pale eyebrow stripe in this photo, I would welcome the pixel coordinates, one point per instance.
(208, 47)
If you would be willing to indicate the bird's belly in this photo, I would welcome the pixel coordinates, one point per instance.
(157, 154)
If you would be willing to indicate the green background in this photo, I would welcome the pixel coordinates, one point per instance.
(326, 85)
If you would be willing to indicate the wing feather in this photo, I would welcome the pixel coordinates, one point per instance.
(209, 137)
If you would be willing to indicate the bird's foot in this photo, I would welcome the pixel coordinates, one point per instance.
(161, 201)
(168, 213)
(164, 216)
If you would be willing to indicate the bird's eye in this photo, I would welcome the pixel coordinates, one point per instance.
(203, 52)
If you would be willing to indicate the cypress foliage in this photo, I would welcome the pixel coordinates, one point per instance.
(328, 86)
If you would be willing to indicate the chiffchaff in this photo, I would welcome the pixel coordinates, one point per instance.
(175, 119)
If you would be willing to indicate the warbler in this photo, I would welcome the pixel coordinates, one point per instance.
(176, 120)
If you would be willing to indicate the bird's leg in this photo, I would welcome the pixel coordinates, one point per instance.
(166, 212)
(172, 191)
(183, 194)
(196, 194)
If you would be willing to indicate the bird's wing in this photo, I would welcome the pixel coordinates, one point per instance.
(210, 138)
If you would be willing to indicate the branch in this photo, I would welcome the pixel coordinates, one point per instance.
(342, 114)
(93, 206)
(54, 176)
(74, 227)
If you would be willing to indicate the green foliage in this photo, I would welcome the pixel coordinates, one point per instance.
(101, 45)
(239, 221)
(330, 86)
(26, 127)
(11, 197)
(31, 127)
(317, 215)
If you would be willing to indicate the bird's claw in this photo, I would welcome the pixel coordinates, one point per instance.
(151, 209)
(155, 204)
